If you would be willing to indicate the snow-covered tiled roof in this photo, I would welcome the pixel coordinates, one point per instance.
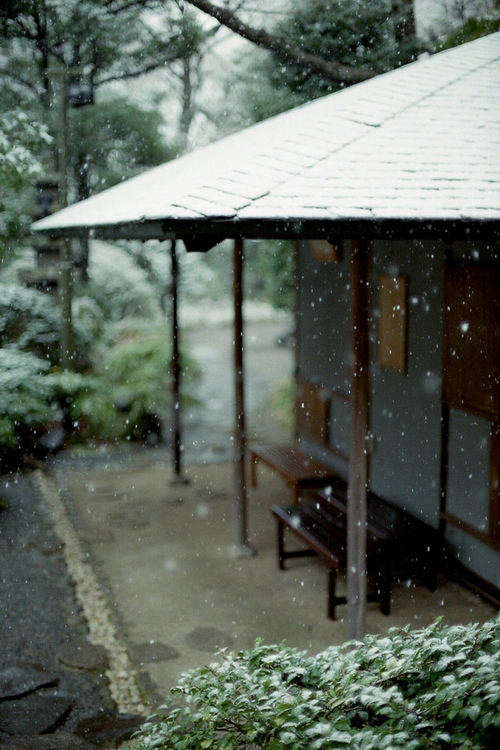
(418, 146)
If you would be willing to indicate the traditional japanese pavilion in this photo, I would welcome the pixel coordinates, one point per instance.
(392, 190)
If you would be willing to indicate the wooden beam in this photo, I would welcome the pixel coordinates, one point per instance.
(175, 370)
(359, 432)
(241, 545)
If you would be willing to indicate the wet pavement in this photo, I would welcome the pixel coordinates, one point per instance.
(51, 677)
(164, 556)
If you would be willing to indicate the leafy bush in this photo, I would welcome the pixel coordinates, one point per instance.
(30, 322)
(276, 262)
(27, 398)
(129, 395)
(474, 28)
(283, 403)
(435, 688)
(21, 137)
(119, 287)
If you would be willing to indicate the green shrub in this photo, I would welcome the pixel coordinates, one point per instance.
(129, 395)
(30, 322)
(276, 262)
(27, 399)
(473, 28)
(435, 688)
(118, 286)
(283, 403)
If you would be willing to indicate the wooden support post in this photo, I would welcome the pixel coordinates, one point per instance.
(241, 546)
(175, 371)
(359, 431)
(445, 434)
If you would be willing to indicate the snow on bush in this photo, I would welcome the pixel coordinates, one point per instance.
(20, 139)
(431, 689)
(119, 286)
(26, 396)
(30, 322)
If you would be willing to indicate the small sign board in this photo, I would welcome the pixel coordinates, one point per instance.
(392, 330)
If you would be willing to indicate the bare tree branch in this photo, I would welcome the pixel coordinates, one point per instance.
(132, 73)
(332, 69)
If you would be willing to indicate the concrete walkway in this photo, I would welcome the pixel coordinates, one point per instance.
(162, 553)
(163, 556)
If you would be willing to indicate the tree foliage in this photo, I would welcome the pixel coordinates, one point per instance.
(276, 263)
(286, 47)
(113, 140)
(105, 41)
(21, 139)
(357, 33)
(26, 398)
(30, 322)
(432, 689)
(92, 43)
(473, 28)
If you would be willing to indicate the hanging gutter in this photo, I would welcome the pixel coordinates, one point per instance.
(203, 234)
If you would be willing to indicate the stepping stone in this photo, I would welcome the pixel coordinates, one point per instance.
(36, 713)
(142, 653)
(109, 728)
(59, 741)
(173, 500)
(83, 655)
(21, 679)
(208, 639)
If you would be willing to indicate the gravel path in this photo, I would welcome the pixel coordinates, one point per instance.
(39, 613)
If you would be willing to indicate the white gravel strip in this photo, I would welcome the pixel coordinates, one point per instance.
(122, 675)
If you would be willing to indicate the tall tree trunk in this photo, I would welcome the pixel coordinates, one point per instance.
(404, 19)
(187, 112)
(83, 190)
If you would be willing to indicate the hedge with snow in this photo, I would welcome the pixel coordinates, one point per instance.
(434, 688)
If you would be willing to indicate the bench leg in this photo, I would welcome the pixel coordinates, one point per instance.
(281, 545)
(384, 585)
(431, 580)
(253, 470)
(431, 570)
(332, 578)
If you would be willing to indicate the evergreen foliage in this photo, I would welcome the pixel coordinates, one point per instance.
(129, 395)
(30, 322)
(27, 399)
(276, 263)
(113, 140)
(474, 28)
(432, 689)
(21, 139)
(353, 32)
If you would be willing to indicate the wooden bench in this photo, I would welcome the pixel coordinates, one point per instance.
(298, 469)
(396, 542)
